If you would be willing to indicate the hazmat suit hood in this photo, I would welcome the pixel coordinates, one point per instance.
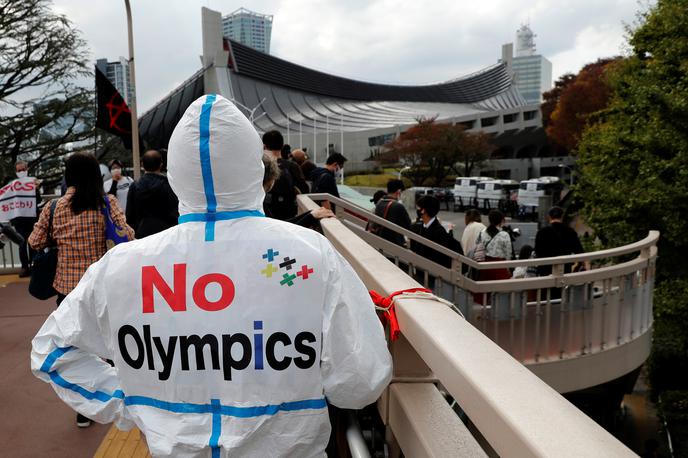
(215, 159)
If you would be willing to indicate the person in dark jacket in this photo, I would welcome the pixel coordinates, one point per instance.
(301, 158)
(557, 239)
(393, 211)
(307, 219)
(281, 200)
(325, 178)
(429, 227)
(151, 203)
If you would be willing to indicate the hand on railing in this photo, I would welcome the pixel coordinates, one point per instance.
(321, 213)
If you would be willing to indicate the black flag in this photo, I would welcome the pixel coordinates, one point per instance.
(114, 115)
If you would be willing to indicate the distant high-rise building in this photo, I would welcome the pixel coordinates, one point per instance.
(118, 74)
(533, 72)
(249, 28)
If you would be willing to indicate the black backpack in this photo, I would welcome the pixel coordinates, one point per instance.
(283, 190)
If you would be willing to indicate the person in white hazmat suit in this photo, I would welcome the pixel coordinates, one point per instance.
(229, 331)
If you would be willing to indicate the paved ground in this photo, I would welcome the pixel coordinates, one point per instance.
(34, 422)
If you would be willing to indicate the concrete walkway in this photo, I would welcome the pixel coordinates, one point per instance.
(33, 421)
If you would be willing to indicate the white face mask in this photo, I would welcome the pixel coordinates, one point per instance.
(338, 173)
(22, 174)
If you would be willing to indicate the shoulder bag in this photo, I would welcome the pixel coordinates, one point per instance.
(114, 235)
(45, 265)
(376, 228)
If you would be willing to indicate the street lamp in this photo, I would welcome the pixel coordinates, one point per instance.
(562, 166)
(132, 103)
(403, 169)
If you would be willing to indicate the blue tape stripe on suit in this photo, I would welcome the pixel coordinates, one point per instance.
(217, 427)
(204, 147)
(219, 216)
(214, 408)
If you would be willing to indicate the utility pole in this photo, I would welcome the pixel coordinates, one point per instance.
(136, 163)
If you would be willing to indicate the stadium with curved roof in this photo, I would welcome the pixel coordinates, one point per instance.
(314, 109)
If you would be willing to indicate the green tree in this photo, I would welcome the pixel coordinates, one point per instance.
(633, 164)
(633, 159)
(44, 113)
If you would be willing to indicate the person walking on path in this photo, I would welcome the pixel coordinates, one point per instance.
(119, 184)
(77, 228)
(557, 239)
(474, 227)
(24, 224)
(428, 226)
(393, 211)
(308, 219)
(307, 166)
(281, 200)
(151, 205)
(497, 245)
(231, 332)
(325, 178)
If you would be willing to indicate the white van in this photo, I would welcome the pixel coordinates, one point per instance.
(466, 192)
(495, 194)
(530, 191)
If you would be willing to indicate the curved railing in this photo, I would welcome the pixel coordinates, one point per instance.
(600, 318)
(510, 411)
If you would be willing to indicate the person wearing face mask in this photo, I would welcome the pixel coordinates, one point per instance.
(23, 214)
(393, 211)
(325, 178)
(119, 184)
(429, 227)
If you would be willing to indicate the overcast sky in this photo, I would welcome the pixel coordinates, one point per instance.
(402, 41)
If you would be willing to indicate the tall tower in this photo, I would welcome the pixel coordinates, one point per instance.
(525, 41)
(249, 28)
(532, 72)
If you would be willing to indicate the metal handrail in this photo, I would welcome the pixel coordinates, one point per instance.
(644, 244)
(516, 412)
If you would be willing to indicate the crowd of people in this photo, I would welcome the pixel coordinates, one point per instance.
(479, 242)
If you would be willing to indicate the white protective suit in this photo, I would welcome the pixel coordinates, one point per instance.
(229, 331)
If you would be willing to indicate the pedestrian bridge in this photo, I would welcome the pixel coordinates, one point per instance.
(486, 377)
(507, 361)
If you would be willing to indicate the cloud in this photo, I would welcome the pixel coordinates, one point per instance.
(395, 41)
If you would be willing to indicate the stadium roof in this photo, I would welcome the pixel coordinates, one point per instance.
(289, 95)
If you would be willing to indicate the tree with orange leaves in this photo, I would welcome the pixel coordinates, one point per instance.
(573, 100)
(433, 150)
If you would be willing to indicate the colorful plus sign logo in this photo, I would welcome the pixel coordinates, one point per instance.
(269, 270)
(287, 263)
(288, 280)
(270, 255)
(288, 266)
(304, 272)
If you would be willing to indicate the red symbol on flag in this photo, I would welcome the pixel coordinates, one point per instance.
(115, 110)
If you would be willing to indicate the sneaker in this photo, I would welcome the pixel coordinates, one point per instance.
(24, 273)
(82, 422)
